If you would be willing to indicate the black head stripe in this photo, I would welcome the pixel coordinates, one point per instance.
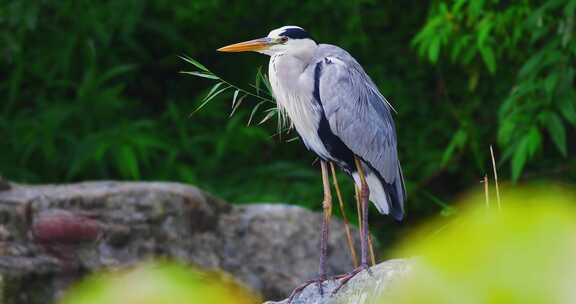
(295, 33)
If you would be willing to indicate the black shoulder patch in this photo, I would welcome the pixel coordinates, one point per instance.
(317, 73)
(295, 33)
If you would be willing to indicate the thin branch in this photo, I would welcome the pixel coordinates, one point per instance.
(344, 217)
(247, 92)
(486, 191)
(371, 247)
(495, 179)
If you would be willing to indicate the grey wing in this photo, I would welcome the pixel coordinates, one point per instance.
(361, 117)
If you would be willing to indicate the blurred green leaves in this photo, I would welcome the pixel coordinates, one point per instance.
(523, 254)
(160, 283)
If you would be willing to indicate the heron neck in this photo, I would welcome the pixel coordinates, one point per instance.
(291, 65)
(305, 54)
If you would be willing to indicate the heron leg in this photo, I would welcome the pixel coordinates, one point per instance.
(327, 213)
(363, 195)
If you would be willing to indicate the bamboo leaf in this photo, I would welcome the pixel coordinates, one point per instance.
(217, 93)
(484, 29)
(254, 112)
(525, 150)
(127, 162)
(201, 74)
(489, 59)
(557, 131)
(568, 110)
(257, 81)
(519, 159)
(434, 50)
(550, 83)
(269, 115)
(458, 141)
(212, 90)
(530, 67)
(194, 62)
(234, 97)
(534, 139)
(267, 84)
(115, 71)
(209, 97)
(238, 103)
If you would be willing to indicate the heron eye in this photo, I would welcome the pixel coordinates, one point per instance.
(283, 39)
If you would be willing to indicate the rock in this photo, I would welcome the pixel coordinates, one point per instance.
(361, 289)
(52, 235)
(279, 247)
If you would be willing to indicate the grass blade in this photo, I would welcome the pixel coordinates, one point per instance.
(212, 90)
(254, 112)
(257, 81)
(201, 74)
(213, 93)
(269, 115)
(208, 98)
(237, 105)
(234, 97)
(267, 84)
(495, 178)
(194, 62)
(265, 92)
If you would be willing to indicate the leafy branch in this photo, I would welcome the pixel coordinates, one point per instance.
(539, 102)
(264, 96)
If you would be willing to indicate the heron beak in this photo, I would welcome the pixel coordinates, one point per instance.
(252, 45)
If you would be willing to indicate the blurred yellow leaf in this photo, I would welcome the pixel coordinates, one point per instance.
(159, 283)
(524, 254)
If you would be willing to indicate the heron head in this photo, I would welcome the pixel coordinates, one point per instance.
(290, 39)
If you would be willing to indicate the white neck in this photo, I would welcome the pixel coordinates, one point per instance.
(293, 88)
(286, 69)
(302, 49)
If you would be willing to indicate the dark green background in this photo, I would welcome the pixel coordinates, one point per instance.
(91, 90)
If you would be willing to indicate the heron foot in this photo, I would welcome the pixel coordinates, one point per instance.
(300, 288)
(348, 276)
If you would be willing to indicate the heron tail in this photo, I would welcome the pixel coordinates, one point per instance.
(387, 197)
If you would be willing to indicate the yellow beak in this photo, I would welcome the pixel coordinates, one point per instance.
(252, 45)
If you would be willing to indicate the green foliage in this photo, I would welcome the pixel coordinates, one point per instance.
(538, 40)
(222, 86)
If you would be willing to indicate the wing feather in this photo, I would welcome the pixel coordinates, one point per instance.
(358, 114)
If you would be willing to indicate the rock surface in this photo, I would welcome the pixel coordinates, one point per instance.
(361, 289)
(53, 234)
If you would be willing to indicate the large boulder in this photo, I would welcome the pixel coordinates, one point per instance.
(52, 235)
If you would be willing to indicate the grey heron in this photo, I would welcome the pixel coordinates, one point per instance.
(341, 116)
